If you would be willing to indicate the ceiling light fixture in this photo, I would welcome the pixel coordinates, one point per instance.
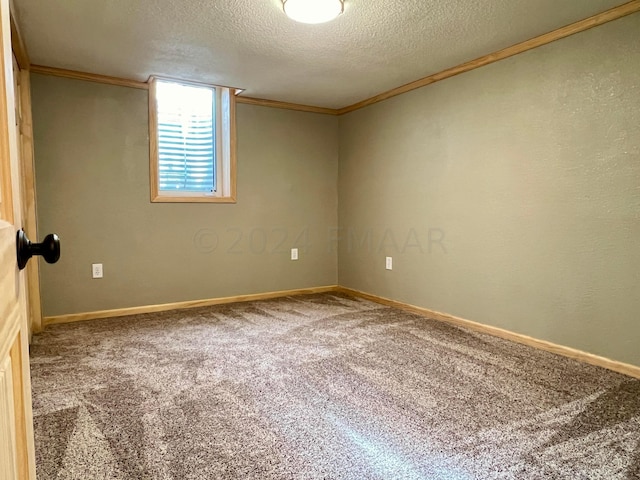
(313, 11)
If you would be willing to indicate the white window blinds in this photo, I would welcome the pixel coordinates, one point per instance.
(186, 138)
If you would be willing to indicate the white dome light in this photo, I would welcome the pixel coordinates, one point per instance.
(313, 11)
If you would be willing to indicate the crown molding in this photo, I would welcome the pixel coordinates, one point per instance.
(90, 77)
(288, 106)
(576, 27)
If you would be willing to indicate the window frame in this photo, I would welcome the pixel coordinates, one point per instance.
(225, 139)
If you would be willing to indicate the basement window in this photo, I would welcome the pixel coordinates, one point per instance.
(192, 142)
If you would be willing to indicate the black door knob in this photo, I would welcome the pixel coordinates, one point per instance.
(49, 248)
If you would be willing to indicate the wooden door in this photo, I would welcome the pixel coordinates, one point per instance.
(17, 457)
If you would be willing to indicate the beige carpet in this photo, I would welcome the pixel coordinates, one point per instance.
(320, 387)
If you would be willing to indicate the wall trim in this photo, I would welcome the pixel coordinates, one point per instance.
(580, 26)
(125, 82)
(579, 355)
(121, 312)
(17, 44)
(287, 106)
(573, 28)
(89, 77)
(598, 361)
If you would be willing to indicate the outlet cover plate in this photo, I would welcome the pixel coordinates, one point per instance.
(96, 270)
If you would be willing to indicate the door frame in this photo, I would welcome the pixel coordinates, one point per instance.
(27, 170)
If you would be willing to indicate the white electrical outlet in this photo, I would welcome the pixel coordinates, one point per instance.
(96, 270)
(294, 254)
(389, 263)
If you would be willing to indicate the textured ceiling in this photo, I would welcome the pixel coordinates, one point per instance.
(374, 46)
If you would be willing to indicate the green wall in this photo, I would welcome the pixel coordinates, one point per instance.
(92, 176)
(509, 195)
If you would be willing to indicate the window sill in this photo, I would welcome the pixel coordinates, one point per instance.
(167, 199)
